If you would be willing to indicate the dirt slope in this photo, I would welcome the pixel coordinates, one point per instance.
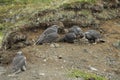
(48, 63)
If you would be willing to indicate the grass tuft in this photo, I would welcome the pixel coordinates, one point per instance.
(86, 76)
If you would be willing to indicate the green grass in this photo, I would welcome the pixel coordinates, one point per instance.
(86, 76)
(28, 7)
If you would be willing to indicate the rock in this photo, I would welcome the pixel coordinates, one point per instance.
(42, 74)
(85, 51)
(54, 45)
(92, 68)
(13, 38)
(62, 67)
(59, 57)
(116, 44)
(45, 60)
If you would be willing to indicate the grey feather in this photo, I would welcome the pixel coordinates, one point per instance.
(51, 29)
(52, 37)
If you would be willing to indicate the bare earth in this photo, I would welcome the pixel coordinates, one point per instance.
(49, 63)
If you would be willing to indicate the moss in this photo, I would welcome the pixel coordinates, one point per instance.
(86, 76)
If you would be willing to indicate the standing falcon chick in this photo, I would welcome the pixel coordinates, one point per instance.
(19, 63)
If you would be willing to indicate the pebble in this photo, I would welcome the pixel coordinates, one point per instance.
(85, 51)
(41, 74)
(59, 57)
(92, 68)
(117, 44)
(62, 67)
(54, 45)
(64, 61)
(45, 60)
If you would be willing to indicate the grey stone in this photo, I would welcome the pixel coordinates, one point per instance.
(116, 44)
(54, 45)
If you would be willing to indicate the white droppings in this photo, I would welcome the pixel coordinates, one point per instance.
(41, 74)
(92, 68)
